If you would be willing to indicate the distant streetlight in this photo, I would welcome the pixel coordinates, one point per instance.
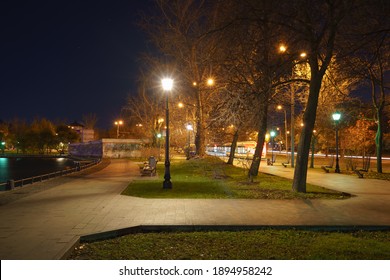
(282, 48)
(118, 123)
(210, 82)
(272, 134)
(313, 145)
(336, 117)
(159, 135)
(167, 85)
(189, 128)
(280, 107)
(302, 55)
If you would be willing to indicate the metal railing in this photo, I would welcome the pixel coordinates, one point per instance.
(10, 184)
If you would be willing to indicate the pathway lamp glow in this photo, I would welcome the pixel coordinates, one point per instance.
(336, 117)
(167, 85)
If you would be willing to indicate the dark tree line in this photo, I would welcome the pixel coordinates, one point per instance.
(40, 136)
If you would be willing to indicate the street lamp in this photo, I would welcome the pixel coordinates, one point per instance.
(118, 123)
(189, 129)
(167, 85)
(303, 56)
(280, 107)
(313, 145)
(336, 117)
(272, 134)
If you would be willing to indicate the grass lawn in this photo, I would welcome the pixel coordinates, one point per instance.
(241, 245)
(212, 178)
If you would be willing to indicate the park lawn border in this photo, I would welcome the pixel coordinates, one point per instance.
(211, 178)
(325, 242)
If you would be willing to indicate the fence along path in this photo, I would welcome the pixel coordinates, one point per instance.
(11, 184)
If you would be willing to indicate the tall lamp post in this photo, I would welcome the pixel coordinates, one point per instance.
(189, 129)
(118, 123)
(336, 117)
(167, 85)
(285, 128)
(313, 145)
(272, 134)
(303, 56)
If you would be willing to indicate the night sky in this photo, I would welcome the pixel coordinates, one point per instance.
(63, 59)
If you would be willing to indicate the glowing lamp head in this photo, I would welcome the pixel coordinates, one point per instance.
(282, 48)
(167, 84)
(189, 127)
(336, 116)
(210, 82)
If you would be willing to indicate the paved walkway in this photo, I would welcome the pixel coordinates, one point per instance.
(46, 224)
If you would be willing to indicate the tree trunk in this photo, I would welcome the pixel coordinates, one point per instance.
(309, 117)
(254, 169)
(233, 148)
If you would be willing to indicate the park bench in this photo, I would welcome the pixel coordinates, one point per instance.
(149, 167)
(329, 166)
(271, 161)
(358, 173)
(366, 166)
(366, 163)
(286, 163)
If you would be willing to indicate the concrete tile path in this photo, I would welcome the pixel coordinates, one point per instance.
(46, 224)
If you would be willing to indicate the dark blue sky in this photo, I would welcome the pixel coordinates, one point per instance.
(62, 59)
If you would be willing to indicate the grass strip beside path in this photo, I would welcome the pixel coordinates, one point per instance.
(212, 178)
(241, 245)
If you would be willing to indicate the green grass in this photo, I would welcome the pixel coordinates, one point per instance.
(212, 178)
(243, 245)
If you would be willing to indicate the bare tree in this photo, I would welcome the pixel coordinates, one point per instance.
(234, 109)
(254, 64)
(145, 112)
(185, 31)
(315, 25)
(369, 60)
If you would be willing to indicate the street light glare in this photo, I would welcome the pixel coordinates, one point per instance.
(282, 48)
(336, 116)
(167, 84)
(189, 127)
(210, 82)
(303, 55)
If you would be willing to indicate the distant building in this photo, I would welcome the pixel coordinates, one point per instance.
(86, 134)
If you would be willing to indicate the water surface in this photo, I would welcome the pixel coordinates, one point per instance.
(19, 168)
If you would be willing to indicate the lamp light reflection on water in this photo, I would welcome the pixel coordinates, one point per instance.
(3, 169)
